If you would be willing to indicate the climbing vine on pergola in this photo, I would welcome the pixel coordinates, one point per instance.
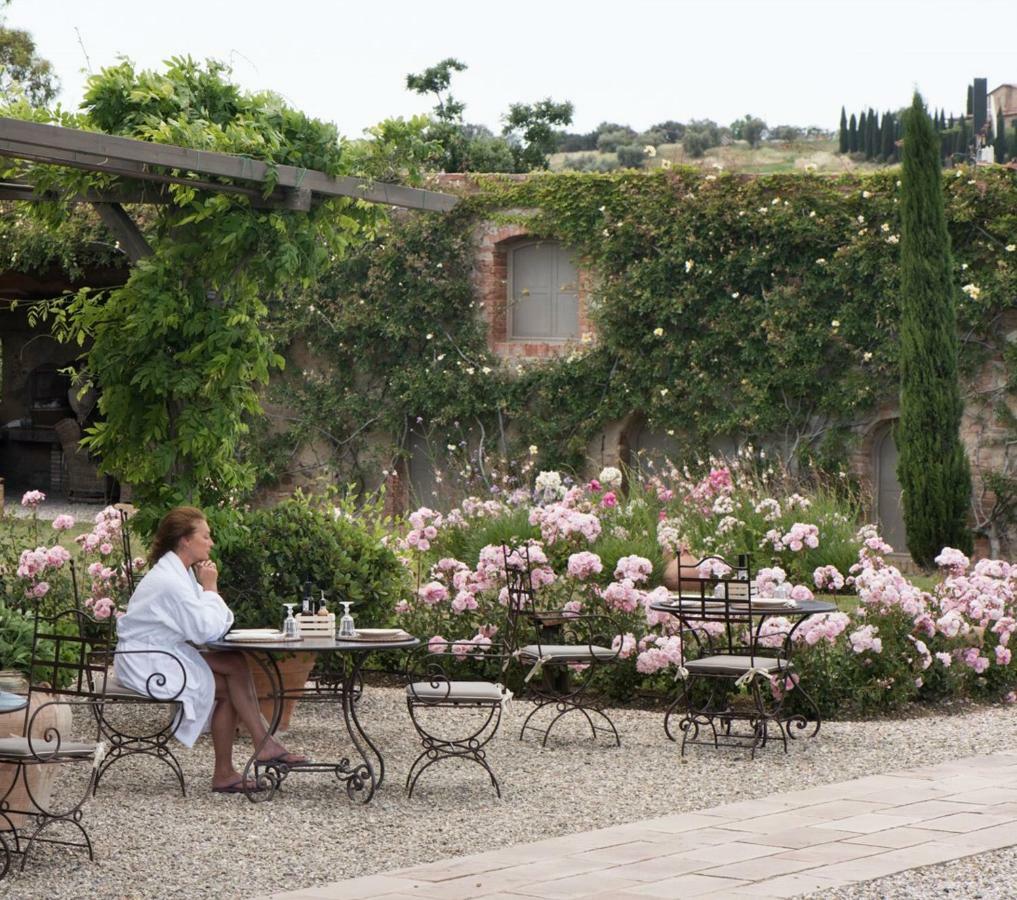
(250, 201)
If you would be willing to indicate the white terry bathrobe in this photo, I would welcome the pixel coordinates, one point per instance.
(168, 609)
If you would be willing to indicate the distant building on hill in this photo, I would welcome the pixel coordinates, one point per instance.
(1003, 101)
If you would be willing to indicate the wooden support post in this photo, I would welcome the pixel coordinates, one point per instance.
(132, 241)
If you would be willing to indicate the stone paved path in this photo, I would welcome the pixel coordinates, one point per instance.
(783, 846)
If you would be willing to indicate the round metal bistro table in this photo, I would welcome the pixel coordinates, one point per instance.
(693, 611)
(363, 769)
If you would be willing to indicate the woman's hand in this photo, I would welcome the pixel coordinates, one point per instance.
(207, 575)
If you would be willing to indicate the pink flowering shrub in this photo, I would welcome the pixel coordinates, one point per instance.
(891, 642)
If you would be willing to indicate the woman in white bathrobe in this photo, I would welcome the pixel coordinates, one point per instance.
(175, 606)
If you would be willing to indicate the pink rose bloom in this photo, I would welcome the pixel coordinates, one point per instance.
(463, 601)
(63, 522)
(665, 494)
(609, 500)
(460, 649)
(800, 592)
(481, 642)
(31, 499)
(635, 568)
(953, 560)
(106, 549)
(433, 593)
(41, 589)
(102, 607)
(402, 607)
(139, 563)
(583, 565)
(572, 608)
(1003, 656)
(624, 644)
(594, 486)
(56, 556)
(437, 644)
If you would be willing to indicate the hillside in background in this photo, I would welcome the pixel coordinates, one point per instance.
(738, 156)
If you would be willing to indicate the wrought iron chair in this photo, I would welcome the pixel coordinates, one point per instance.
(432, 686)
(723, 649)
(563, 642)
(122, 732)
(63, 677)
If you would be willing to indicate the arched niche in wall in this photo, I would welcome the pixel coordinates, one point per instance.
(886, 489)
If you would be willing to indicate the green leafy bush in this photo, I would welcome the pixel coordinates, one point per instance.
(321, 539)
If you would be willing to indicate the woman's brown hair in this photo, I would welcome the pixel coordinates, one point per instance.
(175, 526)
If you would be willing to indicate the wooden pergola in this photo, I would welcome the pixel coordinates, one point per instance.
(144, 170)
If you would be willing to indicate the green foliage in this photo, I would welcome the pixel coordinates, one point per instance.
(777, 311)
(322, 539)
(181, 349)
(750, 128)
(436, 80)
(631, 156)
(843, 144)
(610, 141)
(696, 143)
(16, 632)
(933, 467)
(23, 72)
(531, 128)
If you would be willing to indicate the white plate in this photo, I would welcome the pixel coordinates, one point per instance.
(378, 634)
(258, 636)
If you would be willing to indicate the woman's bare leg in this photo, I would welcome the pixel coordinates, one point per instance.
(232, 668)
(224, 727)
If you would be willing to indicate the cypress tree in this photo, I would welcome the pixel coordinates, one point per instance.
(999, 140)
(853, 134)
(861, 131)
(932, 466)
(843, 143)
(1013, 141)
(971, 100)
(871, 135)
(887, 148)
(963, 140)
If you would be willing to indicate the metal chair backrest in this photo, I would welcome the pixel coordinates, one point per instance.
(71, 651)
(520, 593)
(717, 609)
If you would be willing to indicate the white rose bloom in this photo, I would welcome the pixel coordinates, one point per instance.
(610, 477)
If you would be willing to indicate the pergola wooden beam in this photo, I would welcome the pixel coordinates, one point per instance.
(56, 145)
(154, 192)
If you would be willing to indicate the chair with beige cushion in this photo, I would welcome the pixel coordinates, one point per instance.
(60, 729)
(564, 655)
(438, 684)
(727, 667)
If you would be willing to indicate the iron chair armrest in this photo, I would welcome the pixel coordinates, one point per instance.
(158, 679)
(51, 734)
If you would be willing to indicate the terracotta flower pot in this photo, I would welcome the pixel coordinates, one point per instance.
(40, 778)
(293, 669)
(682, 568)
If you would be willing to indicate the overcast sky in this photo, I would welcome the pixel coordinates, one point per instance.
(629, 61)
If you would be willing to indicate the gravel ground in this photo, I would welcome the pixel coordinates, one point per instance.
(151, 843)
(986, 876)
(50, 509)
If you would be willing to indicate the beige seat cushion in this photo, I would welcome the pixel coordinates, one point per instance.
(19, 748)
(454, 691)
(566, 652)
(734, 665)
(115, 689)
